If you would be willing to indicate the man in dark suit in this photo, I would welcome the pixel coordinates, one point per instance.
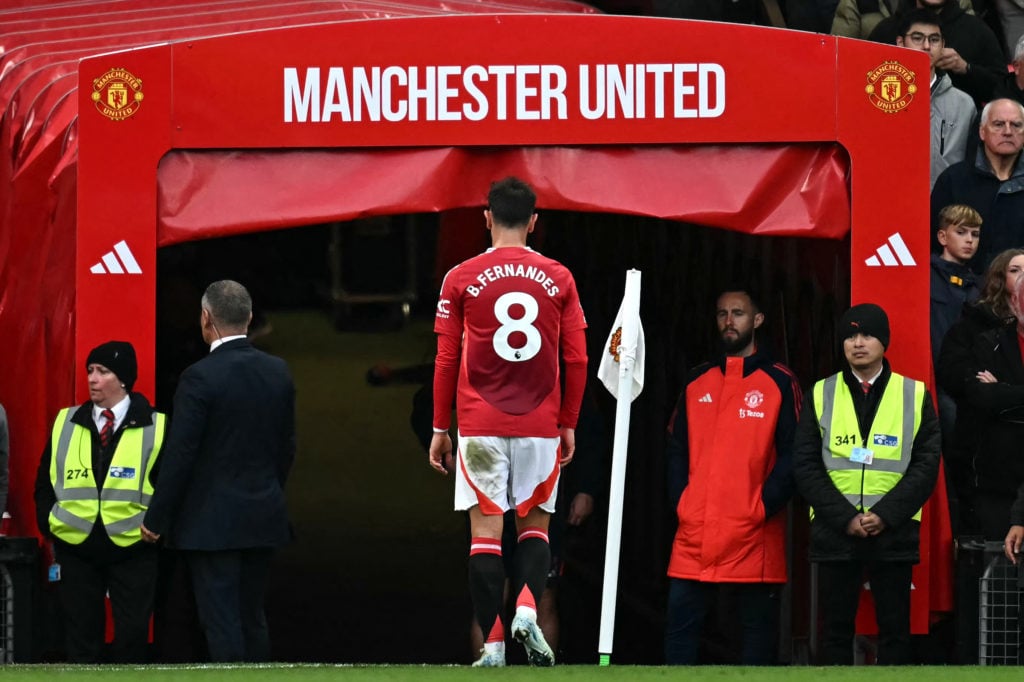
(226, 460)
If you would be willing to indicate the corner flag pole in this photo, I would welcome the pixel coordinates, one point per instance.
(629, 318)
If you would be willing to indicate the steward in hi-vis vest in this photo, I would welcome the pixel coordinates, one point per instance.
(93, 487)
(122, 498)
(866, 458)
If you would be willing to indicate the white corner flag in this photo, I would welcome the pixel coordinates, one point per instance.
(622, 373)
(624, 350)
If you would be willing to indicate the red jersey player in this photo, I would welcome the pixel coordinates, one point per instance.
(502, 320)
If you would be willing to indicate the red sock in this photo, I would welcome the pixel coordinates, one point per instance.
(497, 633)
(525, 598)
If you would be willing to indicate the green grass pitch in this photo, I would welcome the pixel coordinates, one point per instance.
(438, 673)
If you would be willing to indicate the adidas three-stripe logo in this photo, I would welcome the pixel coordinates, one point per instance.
(117, 262)
(899, 254)
(706, 398)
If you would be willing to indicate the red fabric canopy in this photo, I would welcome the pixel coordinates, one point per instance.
(785, 190)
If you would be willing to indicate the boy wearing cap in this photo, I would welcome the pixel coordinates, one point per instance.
(93, 485)
(866, 457)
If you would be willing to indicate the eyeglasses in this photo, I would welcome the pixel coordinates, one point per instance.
(1013, 126)
(917, 38)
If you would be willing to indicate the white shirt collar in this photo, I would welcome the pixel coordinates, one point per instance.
(872, 379)
(225, 339)
(119, 410)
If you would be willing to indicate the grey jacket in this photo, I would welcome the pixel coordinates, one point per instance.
(952, 115)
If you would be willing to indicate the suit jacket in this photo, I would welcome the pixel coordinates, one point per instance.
(228, 453)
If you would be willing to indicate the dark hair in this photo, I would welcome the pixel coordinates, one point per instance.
(747, 290)
(995, 295)
(918, 16)
(229, 303)
(511, 202)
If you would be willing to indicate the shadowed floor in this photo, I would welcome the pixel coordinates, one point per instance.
(377, 571)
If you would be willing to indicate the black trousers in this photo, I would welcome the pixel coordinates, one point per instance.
(840, 595)
(83, 586)
(687, 609)
(230, 587)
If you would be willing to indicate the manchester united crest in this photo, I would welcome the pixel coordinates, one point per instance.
(891, 87)
(615, 344)
(754, 398)
(117, 94)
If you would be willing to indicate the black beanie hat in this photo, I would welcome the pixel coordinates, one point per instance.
(119, 358)
(866, 318)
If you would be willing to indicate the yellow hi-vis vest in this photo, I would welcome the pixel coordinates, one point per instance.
(126, 489)
(891, 438)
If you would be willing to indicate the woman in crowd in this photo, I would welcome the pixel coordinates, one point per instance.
(957, 369)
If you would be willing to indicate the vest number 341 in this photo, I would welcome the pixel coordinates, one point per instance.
(847, 439)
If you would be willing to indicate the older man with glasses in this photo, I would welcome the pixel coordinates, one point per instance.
(992, 182)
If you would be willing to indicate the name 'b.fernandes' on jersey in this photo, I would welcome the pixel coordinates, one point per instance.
(511, 307)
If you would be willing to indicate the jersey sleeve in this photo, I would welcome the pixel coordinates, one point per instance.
(574, 352)
(448, 316)
(446, 374)
(572, 311)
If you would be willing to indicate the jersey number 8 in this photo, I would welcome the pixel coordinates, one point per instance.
(509, 325)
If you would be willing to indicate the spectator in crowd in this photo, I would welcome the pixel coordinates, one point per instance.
(996, 397)
(858, 18)
(954, 369)
(810, 15)
(729, 480)
(992, 182)
(221, 497)
(1010, 20)
(952, 112)
(972, 55)
(513, 415)
(1011, 85)
(865, 457)
(953, 285)
(93, 484)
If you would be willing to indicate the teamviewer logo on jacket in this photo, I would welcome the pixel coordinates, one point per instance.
(892, 253)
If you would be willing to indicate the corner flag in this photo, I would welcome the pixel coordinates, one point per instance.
(624, 348)
(622, 373)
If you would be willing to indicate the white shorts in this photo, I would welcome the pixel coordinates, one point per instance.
(500, 473)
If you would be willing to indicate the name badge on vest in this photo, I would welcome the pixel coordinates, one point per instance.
(122, 472)
(862, 456)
